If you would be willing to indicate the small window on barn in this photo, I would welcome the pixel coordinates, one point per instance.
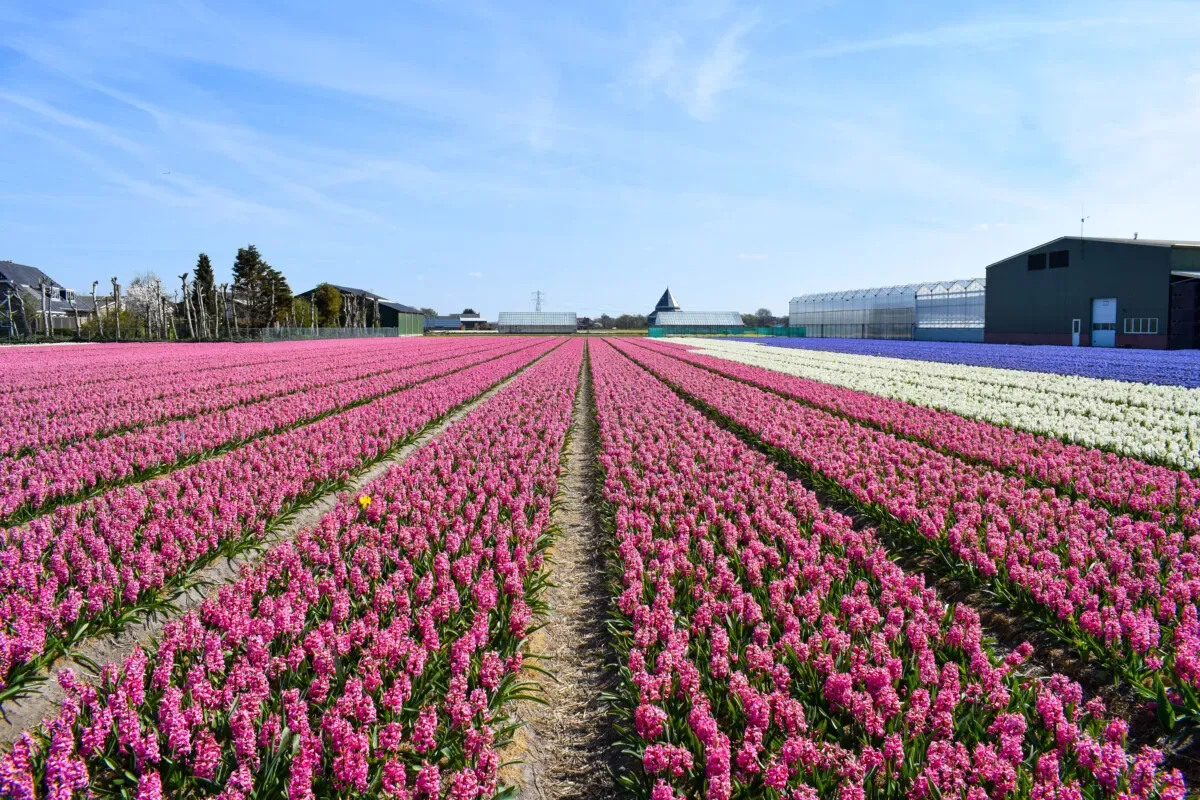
(1037, 261)
(1060, 259)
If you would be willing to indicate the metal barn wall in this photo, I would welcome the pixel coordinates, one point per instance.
(411, 324)
(1036, 307)
(932, 334)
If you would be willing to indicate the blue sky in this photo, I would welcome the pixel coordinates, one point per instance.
(467, 153)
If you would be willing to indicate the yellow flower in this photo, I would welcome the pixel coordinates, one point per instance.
(364, 501)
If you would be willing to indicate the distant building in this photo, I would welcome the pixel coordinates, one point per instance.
(666, 304)
(471, 322)
(450, 323)
(376, 310)
(668, 319)
(537, 322)
(19, 282)
(939, 311)
(456, 322)
(409, 320)
(1099, 292)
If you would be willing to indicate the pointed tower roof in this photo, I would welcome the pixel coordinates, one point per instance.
(667, 302)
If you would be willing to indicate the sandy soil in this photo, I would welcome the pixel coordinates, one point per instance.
(565, 746)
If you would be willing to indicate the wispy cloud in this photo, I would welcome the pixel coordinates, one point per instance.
(991, 32)
(697, 58)
(717, 72)
(567, 140)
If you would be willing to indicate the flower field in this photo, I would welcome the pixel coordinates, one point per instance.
(1173, 368)
(773, 651)
(1150, 422)
(369, 656)
(769, 526)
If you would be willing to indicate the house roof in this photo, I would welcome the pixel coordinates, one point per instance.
(667, 302)
(22, 274)
(25, 276)
(1108, 240)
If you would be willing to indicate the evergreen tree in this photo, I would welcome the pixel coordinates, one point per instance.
(248, 270)
(328, 301)
(264, 290)
(204, 291)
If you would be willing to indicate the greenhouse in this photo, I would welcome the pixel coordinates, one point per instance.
(696, 323)
(936, 311)
(537, 322)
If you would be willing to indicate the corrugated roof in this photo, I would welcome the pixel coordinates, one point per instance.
(1142, 242)
(724, 319)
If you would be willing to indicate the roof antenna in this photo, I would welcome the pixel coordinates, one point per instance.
(1135, 236)
(1082, 219)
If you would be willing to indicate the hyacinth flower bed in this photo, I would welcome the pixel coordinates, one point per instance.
(96, 566)
(771, 651)
(371, 657)
(1150, 422)
(35, 483)
(47, 418)
(1165, 368)
(99, 364)
(1124, 484)
(1118, 590)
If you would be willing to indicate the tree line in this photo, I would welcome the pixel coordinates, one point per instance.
(200, 307)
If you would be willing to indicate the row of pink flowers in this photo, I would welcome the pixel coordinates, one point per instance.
(32, 369)
(773, 651)
(371, 657)
(1125, 484)
(42, 418)
(1121, 590)
(88, 565)
(30, 482)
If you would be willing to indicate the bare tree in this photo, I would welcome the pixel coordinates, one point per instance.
(202, 313)
(224, 313)
(233, 296)
(96, 309)
(117, 302)
(187, 307)
(24, 312)
(45, 308)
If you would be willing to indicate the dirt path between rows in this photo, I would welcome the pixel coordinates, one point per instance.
(28, 712)
(565, 748)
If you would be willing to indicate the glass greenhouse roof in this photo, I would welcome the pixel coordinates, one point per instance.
(904, 290)
(526, 318)
(724, 319)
